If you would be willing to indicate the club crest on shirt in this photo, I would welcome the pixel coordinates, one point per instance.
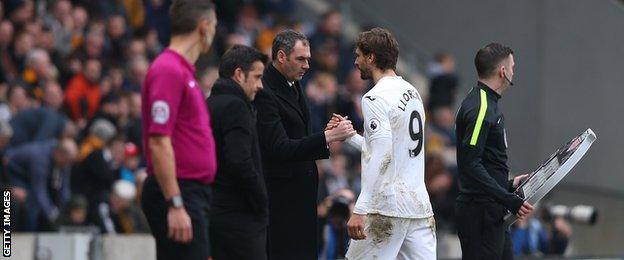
(373, 124)
(160, 112)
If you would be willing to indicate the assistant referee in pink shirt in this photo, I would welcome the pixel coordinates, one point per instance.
(179, 145)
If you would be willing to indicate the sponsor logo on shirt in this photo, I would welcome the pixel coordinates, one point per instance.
(160, 112)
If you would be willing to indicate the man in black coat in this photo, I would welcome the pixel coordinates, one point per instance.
(289, 150)
(239, 218)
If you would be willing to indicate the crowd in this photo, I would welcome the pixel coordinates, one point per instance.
(70, 108)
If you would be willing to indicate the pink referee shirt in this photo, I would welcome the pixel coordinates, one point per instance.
(173, 105)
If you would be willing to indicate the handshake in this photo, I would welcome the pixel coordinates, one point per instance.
(338, 129)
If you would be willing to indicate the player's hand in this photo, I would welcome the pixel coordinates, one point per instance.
(179, 225)
(333, 122)
(343, 131)
(519, 179)
(525, 210)
(355, 226)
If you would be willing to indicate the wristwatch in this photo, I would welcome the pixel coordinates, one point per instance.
(175, 202)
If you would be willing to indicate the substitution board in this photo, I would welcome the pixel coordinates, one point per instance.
(552, 170)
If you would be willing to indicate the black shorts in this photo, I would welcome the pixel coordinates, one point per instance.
(196, 196)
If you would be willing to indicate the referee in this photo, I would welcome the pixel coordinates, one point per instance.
(485, 194)
(179, 146)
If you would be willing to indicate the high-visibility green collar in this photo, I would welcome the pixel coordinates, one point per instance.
(488, 90)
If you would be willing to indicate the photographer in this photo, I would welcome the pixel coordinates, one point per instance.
(530, 235)
(333, 214)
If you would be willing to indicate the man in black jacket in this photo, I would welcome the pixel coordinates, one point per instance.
(239, 219)
(289, 150)
(485, 193)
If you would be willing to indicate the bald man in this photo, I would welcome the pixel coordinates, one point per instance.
(41, 170)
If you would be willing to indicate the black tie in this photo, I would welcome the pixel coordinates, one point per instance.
(295, 91)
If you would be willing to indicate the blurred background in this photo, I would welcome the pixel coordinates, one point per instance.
(71, 72)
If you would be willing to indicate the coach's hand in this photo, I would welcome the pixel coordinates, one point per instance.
(355, 226)
(525, 210)
(179, 224)
(333, 122)
(343, 131)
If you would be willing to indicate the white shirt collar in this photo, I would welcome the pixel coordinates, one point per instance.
(290, 83)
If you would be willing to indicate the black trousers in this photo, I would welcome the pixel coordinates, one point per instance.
(238, 236)
(481, 230)
(196, 196)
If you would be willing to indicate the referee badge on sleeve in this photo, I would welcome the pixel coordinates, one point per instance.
(160, 112)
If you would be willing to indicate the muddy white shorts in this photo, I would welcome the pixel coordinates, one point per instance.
(390, 238)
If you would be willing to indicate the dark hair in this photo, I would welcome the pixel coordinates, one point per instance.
(382, 44)
(185, 14)
(488, 58)
(239, 56)
(286, 40)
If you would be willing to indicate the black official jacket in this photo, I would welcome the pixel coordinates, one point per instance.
(482, 149)
(239, 189)
(289, 151)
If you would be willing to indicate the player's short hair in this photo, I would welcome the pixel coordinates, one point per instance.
(185, 14)
(286, 40)
(488, 58)
(382, 44)
(239, 56)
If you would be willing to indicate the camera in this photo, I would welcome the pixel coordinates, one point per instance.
(340, 208)
(581, 214)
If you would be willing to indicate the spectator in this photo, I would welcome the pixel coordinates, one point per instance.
(133, 129)
(138, 71)
(158, 18)
(39, 70)
(61, 23)
(444, 82)
(52, 96)
(75, 213)
(321, 93)
(130, 163)
(135, 48)
(17, 101)
(7, 68)
(350, 99)
(95, 175)
(442, 191)
(6, 132)
(23, 43)
(100, 133)
(334, 212)
(441, 135)
(41, 170)
(154, 47)
(530, 236)
(120, 214)
(36, 124)
(20, 12)
(82, 94)
(117, 35)
(109, 109)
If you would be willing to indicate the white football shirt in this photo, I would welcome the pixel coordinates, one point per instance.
(393, 164)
